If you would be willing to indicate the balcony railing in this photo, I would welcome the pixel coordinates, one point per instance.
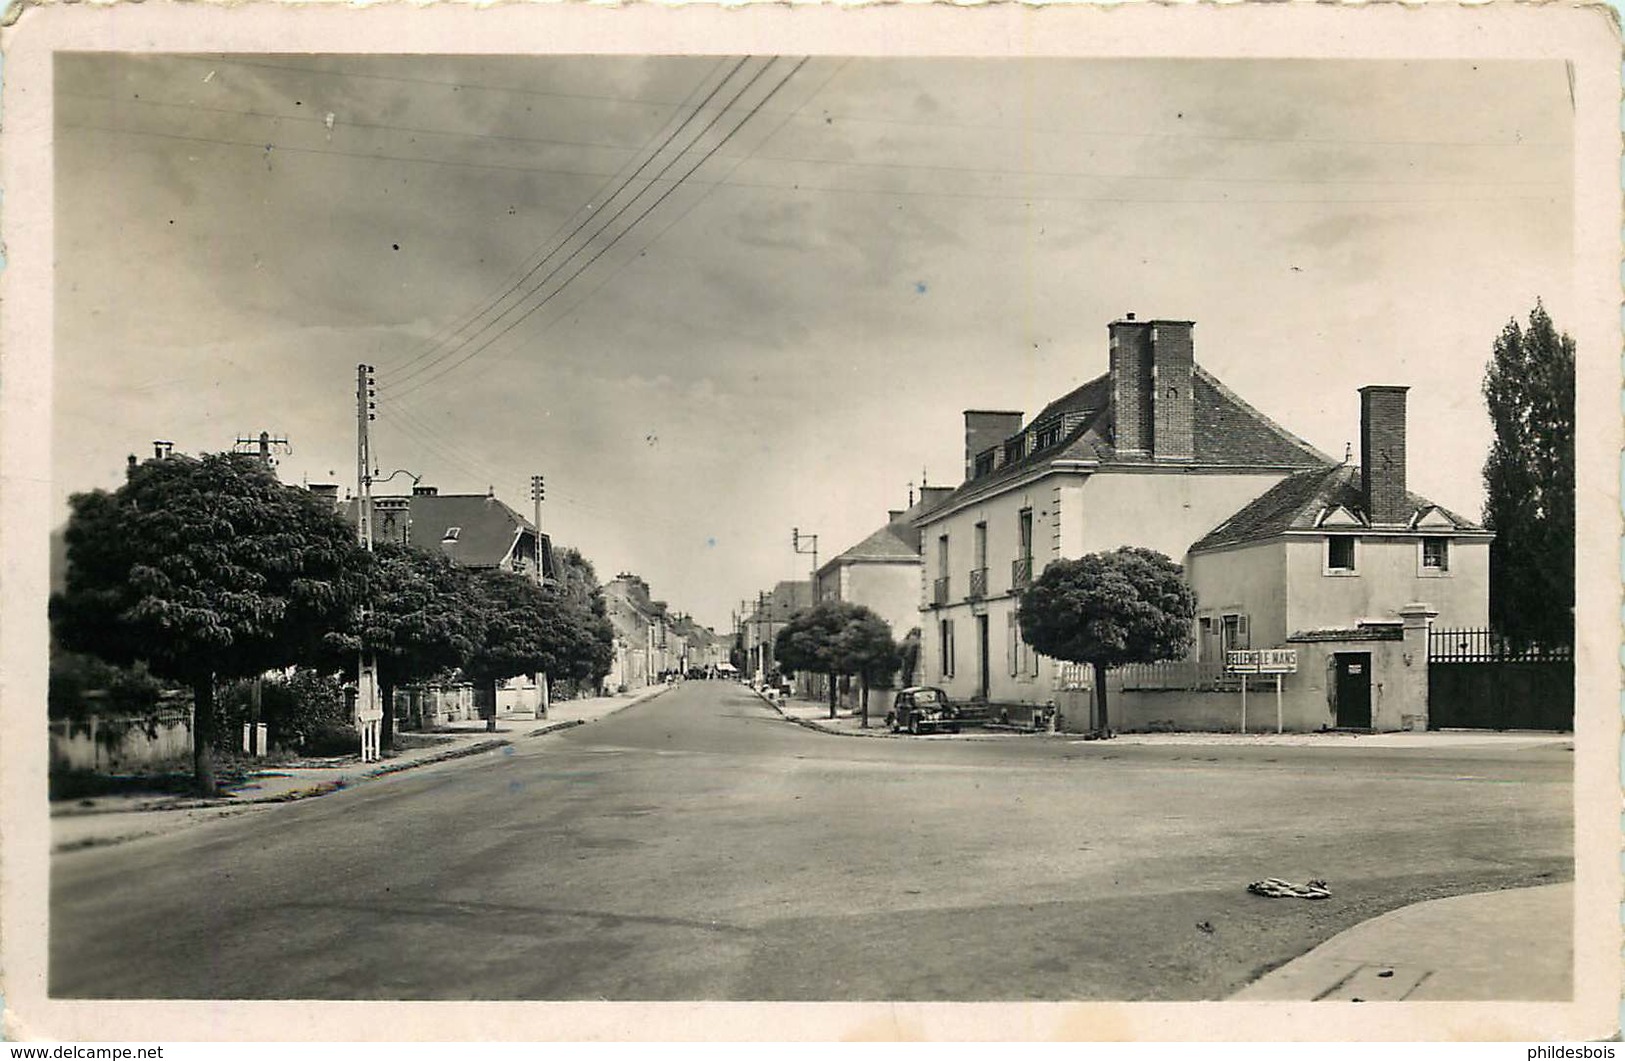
(939, 592)
(978, 584)
(1021, 572)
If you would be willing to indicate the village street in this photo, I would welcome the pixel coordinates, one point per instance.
(700, 846)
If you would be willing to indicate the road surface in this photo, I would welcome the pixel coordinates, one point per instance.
(697, 846)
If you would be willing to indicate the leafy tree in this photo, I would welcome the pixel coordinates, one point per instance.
(1529, 480)
(587, 639)
(1107, 609)
(417, 622)
(835, 638)
(205, 570)
(508, 614)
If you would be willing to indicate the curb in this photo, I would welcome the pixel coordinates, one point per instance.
(882, 734)
(812, 724)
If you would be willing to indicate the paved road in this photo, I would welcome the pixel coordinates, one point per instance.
(697, 846)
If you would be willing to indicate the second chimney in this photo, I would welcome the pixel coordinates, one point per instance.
(1382, 453)
(985, 429)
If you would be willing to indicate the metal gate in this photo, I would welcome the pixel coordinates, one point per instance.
(1477, 681)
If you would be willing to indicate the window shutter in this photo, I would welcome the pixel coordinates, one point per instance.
(1243, 632)
(1012, 644)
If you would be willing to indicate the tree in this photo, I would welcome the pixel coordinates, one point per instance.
(508, 614)
(205, 570)
(1107, 609)
(417, 622)
(587, 643)
(835, 638)
(1529, 482)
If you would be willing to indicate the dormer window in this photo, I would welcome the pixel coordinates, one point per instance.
(1015, 449)
(984, 463)
(451, 534)
(1047, 435)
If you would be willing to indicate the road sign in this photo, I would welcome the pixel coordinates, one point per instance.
(1262, 661)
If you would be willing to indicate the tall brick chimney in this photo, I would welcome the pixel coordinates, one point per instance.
(1131, 386)
(1173, 405)
(984, 428)
(1382, 453)
(1153, 406)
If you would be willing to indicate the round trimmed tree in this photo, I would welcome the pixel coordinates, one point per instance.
(1107, 609)
(206, 570)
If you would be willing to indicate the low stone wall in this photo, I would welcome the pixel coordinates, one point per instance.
(106, 744)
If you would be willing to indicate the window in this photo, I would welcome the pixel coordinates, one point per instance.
(1340, 554)
(945, 644)
(984, 463)
(1047, 435)
(1015, 449)
(1024, 531)
(1234, 634)
(451, 534)
(1436, 555)
(981, 545)
(942, 556)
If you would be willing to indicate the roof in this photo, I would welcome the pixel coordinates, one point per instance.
(1384, 632)
(1226, 432)
(486, 527)
(1298, 502)
(898, 540)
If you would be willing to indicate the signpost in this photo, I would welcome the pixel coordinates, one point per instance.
(1276, 661)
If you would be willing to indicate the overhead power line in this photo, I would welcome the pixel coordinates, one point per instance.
(438, 373)
(405, 371)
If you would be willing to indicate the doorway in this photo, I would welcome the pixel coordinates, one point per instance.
(1353, 690)
(983, 676)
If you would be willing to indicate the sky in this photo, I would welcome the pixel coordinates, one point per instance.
(715, 298)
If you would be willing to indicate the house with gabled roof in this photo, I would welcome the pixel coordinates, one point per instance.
(1348, 567)
(882, 573)
(1284, 546)
(475, 530)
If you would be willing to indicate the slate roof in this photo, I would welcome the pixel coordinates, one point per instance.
(487, 527)
(1227, 432)
(1296, 503)
(1351, 633)
(899, 539)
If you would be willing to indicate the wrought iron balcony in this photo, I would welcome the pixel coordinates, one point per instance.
(978, 584)
(1021, 572)
(939, 592)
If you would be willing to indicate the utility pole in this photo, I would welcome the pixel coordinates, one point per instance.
(538, 494)
(252, 742)
(368, 712)
(796, 538)
(262, 446)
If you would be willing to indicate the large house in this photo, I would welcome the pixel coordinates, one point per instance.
(1158, 453)
(475, 530)
(882, 573)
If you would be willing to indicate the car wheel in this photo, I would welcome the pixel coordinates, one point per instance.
(914, 725)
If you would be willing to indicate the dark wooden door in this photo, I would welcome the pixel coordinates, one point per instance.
(984, 658)
(1354, 690)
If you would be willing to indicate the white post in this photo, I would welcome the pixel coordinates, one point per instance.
(1279, 726)
(1244, 702)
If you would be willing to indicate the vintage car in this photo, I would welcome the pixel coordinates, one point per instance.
(922, 709)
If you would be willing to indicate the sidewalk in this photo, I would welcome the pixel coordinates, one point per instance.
(1506, 945)
(815, 715)
(104, 820)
